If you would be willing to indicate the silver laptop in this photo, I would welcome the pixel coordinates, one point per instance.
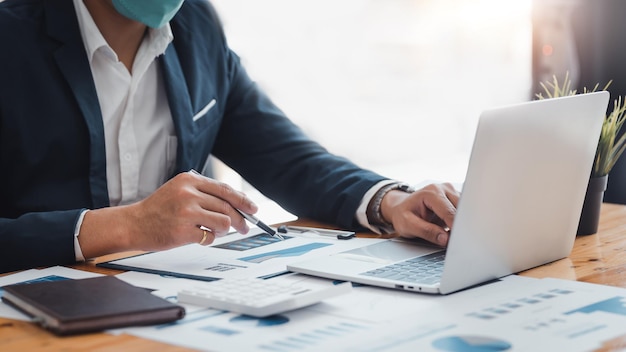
(519, 208)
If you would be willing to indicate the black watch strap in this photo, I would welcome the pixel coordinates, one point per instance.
(374, 214)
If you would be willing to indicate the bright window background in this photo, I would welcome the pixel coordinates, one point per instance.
(396, 85)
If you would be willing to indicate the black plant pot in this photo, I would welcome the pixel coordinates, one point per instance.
(590, 215)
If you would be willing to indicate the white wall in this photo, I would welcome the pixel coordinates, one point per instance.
(395, 85)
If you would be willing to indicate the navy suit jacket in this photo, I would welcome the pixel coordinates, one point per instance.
(52, 153)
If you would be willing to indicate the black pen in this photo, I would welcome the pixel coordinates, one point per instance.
(253, 219)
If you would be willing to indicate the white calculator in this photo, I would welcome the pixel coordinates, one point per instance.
(262, 297)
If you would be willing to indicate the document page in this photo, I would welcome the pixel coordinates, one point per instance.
(252, 255)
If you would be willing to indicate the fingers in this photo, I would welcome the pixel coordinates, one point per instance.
(418, 227)
(442, 202)
(218, 198)
(181, 210)
(224, 192)
(430, 232)
(451, 193)
(427, 213)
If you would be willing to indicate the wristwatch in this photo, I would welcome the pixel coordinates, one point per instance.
(374, 214)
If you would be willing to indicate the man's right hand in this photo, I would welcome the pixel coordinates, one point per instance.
(168, 218)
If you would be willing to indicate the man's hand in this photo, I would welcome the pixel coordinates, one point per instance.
(168, 218)
(427, 213)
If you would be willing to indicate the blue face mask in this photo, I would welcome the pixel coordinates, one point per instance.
(152, 13)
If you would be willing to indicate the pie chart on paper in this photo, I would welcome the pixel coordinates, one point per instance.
(471, 343)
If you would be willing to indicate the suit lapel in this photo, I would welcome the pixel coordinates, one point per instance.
(71, 59)
(180, 107)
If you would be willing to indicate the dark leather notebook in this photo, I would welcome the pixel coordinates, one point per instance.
(87, 305)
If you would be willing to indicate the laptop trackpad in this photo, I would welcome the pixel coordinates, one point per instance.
(387, 252)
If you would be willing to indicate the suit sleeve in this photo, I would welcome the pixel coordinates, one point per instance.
(274, 155)
(37, 239)
(44, 142)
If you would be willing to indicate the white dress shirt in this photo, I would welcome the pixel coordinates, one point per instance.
(138, 128)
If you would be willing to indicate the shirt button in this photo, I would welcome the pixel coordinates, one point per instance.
(128, 156)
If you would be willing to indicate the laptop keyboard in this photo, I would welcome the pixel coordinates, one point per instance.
(426, 269)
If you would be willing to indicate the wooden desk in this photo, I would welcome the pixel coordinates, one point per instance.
(599, 258)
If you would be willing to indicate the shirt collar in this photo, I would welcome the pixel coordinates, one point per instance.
(156, 41)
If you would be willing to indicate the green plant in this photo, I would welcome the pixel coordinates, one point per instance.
(610, 148)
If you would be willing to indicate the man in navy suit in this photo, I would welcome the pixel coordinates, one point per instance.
(105, 107)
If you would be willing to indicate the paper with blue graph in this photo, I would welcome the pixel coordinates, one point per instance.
(253, 255)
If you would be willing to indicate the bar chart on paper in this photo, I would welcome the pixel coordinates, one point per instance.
(251, 242)
(300, 330)
(289, 252)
